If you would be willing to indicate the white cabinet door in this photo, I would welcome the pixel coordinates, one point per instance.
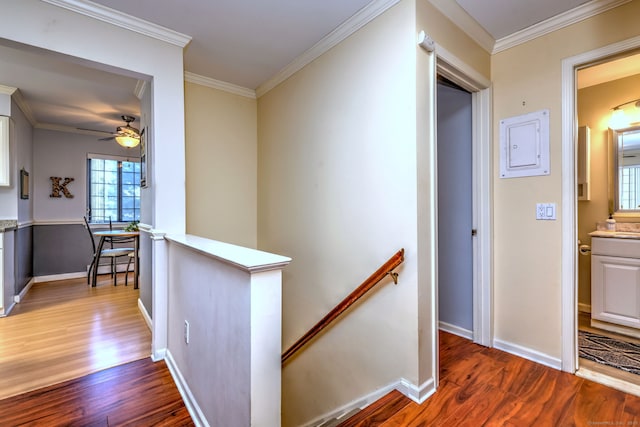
(615, 290)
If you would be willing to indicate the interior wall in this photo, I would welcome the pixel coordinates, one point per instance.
(594, 105)
(527, 253)
(222, 165)
(62, 154)
(337, 193)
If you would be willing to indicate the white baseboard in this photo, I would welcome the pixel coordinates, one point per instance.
(456, 330)
(5, 312)
(54, 277)
(527, 353)
(189, 400)
(23, 292)
(145, 313)
(413, 392)
(584, 308)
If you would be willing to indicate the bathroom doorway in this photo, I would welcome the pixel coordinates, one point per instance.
(606, 351)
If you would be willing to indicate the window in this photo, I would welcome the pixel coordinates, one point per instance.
(113, 190)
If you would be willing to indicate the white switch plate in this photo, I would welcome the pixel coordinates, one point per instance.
(546, 211)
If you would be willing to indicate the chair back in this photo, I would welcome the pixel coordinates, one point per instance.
(93, 242)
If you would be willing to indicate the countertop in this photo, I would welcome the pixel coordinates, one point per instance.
(7, 224)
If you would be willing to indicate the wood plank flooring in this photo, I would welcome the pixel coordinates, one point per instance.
(140, 393)
(66, 329)
(482, 386)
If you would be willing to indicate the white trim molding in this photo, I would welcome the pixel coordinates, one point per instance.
(23, 292)
(145, 314)
(407, 388)
(557, 22)
(465, 22)
(65, 276)
(455, 330)
(123, 20)
(220, 85)
(189, 400)
(350, 26)
(528, 353)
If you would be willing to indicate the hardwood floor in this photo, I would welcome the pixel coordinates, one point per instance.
(482, 386)
(66, 329)
(58, 342)
(140, 393)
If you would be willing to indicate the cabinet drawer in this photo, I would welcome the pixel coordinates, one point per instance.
(628, 248)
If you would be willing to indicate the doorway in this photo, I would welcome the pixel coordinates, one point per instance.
(455, 208)
(570, 67)
(478, 88)
(606, 345)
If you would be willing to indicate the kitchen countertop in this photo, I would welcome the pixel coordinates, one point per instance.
(7, 224)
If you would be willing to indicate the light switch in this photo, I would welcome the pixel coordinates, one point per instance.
(546, 211)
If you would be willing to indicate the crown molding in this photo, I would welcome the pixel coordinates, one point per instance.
(24, 107)
(220, 85)
(350, 26)
(555, 23)
(459, 17)
(7, 90)
(123, 20)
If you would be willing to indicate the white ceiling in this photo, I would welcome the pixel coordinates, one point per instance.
(504, 17)
(243, 42)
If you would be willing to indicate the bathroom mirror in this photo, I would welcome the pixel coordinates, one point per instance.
(624, 170)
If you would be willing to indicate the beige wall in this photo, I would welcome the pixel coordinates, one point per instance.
(594, 110)
(344, 182)
(527, 253)
(221, 173)
(337, 193)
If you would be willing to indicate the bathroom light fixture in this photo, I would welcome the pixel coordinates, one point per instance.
(619, 119)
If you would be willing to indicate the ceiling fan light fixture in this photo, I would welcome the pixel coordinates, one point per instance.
(127, 141)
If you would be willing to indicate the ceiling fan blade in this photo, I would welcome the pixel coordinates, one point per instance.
(109, 138)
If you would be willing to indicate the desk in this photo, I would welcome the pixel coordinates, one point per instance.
(107, 236)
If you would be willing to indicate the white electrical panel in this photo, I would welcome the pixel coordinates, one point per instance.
(524, 145)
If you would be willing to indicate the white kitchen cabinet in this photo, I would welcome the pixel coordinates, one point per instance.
(615, 283)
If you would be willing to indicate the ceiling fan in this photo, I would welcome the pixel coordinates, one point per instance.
(126, 135)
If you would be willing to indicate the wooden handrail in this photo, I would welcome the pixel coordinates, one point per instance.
(380, 273)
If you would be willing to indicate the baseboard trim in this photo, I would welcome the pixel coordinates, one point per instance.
(413, 392)
(5, 312)
(23, 292)
(527, 353)
(145, 314)
(189, 400)
(54, 277)
(455, 330)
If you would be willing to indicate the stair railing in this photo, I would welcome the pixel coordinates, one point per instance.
(359, 292)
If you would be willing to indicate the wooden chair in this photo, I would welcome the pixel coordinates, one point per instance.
(111, 253)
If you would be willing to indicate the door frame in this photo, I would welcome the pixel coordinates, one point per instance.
(457, 71)
(569, 299)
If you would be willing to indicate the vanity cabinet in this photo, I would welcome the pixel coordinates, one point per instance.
(615, 282)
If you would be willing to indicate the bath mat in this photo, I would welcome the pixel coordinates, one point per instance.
(609, 351)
